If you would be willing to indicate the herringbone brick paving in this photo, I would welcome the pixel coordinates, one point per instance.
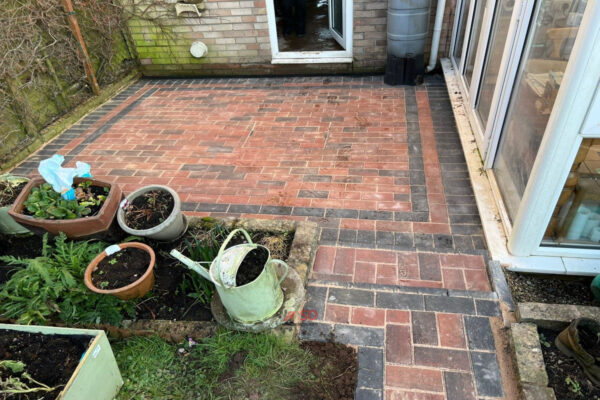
(400, 270)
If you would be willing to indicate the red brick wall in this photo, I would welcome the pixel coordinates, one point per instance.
(237, 36)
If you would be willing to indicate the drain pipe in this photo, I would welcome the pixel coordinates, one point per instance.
(437, 31)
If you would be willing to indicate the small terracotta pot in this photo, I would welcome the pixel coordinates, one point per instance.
(134, 290)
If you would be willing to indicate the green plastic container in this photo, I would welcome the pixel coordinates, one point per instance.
(8, 226)
(97, 376)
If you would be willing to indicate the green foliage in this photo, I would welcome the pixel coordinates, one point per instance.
(544, 341)
(19, 384)
(269, 367)
(51, 287)
(203, 249)
(574, 385)
(44, 202)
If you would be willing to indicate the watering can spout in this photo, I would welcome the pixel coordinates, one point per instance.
(193, 265)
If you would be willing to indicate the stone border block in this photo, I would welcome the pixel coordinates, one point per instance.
(554, 316)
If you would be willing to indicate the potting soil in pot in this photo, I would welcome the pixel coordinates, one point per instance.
(121, 268)
(8, 193)
(251, 266)
(49, 359)
(149, 210)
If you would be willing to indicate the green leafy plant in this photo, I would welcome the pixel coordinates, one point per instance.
(574, 385)
(51, 287)
(21, 384)
(544, 341)
(44, 202)
(203, 249)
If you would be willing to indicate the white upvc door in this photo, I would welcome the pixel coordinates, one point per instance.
(337, 25)
(344, 38)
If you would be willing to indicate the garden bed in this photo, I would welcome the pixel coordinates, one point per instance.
(550, 289)
(565, 376)
(45, 362)
(178, 294)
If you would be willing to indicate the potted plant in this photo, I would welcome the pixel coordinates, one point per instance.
(10, 187)
(39, 207)
(57, 363)
(153, 212)
(123, 270)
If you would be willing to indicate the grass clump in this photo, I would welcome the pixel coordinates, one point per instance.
(228, 365)
(51, 287)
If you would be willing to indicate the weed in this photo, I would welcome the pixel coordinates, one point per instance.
(51, 287)
(574, 385)
(544, 341)
(22, 384)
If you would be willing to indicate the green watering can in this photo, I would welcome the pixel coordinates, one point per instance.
(250, 303)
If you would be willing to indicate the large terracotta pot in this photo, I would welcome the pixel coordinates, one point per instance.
(132, 291)
(74, 228)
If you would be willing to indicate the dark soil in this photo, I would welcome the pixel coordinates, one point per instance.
(551, 289)
(29, 246)
(149, 210)
(236, 362)
(252, 265)
(562, 370)
(8, 194)
(336, 373)
(121, 268)
(49, 359)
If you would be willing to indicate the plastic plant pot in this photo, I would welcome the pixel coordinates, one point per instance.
(172, 228)
(77, 228)
(97, 376)
(134, 290)
(8, 225)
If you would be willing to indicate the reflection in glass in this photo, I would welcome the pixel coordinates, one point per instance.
(576, 217)
(491, 67)
(474, 40)
(460, 33)
(550, 39)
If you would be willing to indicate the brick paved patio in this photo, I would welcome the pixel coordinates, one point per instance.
(401, 267)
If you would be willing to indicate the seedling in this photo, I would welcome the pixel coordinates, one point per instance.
(44, 202)
(574, 385)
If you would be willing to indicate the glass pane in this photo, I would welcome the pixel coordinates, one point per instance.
(549, 43)
(338, 18)
(491, 67)
(474, 40)
(460, 32)
(576, 218)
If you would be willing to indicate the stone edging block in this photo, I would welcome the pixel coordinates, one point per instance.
(554, 316)
(530, 367)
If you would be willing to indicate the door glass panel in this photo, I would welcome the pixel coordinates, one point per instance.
(460, 32)
(550, 40)
(491, 67)
(474, 40)
(338, 19)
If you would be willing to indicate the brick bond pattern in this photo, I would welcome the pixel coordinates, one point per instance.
(400, 271)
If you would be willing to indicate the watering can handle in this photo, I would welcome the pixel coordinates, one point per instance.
(287, 269)
(229, 237)
(226, 242)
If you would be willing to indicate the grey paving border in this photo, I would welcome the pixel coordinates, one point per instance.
(499, 283)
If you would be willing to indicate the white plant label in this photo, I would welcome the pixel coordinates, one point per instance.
(110, 250)
(96, 351)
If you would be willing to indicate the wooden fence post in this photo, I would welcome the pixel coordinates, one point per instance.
(87, 64)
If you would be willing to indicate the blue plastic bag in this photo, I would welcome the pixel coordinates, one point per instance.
(61, 178)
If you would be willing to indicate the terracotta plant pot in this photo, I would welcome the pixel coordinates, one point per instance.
(134, 290)
(74, 228)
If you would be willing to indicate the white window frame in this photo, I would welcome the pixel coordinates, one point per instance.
(560, 145)
(311, 57)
